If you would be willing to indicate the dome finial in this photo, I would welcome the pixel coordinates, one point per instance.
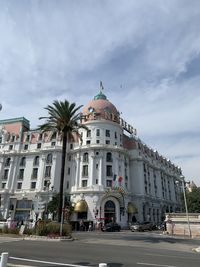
(100, 95)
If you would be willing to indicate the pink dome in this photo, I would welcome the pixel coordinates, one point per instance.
(102, 108)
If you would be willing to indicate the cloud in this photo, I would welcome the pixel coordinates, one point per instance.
(146, 53)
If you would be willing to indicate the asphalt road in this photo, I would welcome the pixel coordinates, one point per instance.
(124, 249)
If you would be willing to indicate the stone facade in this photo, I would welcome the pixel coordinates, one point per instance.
(110, 173)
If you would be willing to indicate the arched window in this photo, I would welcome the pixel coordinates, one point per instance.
(7, 163)
(109, 157)
(36, 161)
(49, 158)
(85, 157)
(23, 161)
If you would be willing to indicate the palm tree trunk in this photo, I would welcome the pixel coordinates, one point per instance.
(62, 175)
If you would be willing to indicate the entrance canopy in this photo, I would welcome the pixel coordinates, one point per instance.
(81, 206)
(131, 208)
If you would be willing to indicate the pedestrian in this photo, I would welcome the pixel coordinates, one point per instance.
(90, 227)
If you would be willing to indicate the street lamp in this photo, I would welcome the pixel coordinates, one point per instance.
(185, 202)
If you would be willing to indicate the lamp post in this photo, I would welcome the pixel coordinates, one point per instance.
(186, 206)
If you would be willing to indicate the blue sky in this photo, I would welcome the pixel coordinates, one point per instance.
(147, 53)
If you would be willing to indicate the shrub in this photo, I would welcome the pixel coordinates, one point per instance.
(52, 229)
(7, 230)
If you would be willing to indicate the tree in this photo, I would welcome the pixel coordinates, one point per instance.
(63, 118)
(53, 206)
(193, 200)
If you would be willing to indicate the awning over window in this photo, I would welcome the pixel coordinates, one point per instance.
(131, 208)
(81, 206)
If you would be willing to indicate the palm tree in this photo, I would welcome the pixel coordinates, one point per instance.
(64, 119)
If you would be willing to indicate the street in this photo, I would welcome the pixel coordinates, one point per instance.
(124, 249)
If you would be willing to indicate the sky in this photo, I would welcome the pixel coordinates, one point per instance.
(146, 53)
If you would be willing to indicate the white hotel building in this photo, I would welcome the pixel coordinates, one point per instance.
(110, 175)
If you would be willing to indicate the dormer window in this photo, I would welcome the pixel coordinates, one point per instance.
(90, 109)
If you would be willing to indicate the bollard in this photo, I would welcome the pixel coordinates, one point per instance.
(103, 265)
(4, 259)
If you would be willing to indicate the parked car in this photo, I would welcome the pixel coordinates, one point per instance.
(111, 227)
(141, 226)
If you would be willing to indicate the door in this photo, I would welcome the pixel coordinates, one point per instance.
(109, 212)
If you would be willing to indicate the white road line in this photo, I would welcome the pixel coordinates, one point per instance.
(154, 264)
(48, 262)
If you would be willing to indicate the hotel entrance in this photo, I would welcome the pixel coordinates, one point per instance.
(109, 212)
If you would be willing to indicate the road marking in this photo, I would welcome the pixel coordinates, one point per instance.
(48, 262)
(154, 264)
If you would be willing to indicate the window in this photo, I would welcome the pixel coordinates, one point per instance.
(108, 183)
(68, 171)
(85, 170)
(107, 142)
(97, 153)
(87, 142)
(46, 184)
(3, 185)
(85, 157)
(7, 163)
(84, 183)
(49, 158)
(97, 166)
(35, 173)
(97, 181)
(26, 147)
(97, 141)
(0, 139)
(13, 138)
(108, 170)
(109, 157)
(107, 133)
(97, 132)
(115, 135)
(10, 147)
(40, 136)
(27, 137)
(21, 174)
(39, 145)
(48, 171)
(88, 133)
(22, 161)
(33, 185)
(5, 175)
(36, 161)
(71, 146)
(53, 143)
(19, 186)
(53, 136)
(67, 184)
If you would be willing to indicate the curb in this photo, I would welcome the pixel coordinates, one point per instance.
(46, 238)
